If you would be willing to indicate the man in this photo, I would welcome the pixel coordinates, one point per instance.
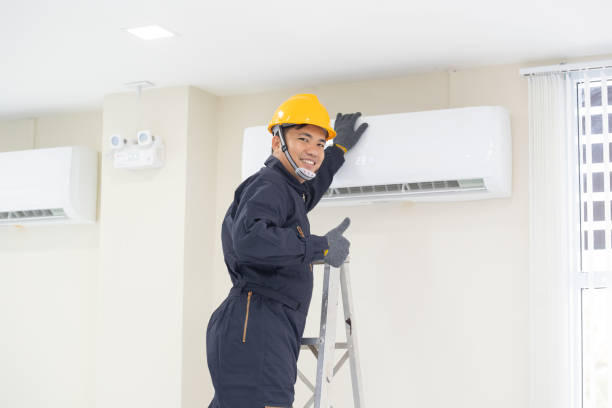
(253, 338)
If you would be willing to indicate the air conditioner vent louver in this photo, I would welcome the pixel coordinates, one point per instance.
(395, 191)
(31, 215)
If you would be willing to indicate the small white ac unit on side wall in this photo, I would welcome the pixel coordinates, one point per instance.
(46, 186)
(441, 155)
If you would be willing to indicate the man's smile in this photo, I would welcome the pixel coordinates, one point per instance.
(309, 162)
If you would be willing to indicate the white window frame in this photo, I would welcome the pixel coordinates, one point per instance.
(582, 279)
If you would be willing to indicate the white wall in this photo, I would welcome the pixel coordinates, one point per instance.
(47, 287)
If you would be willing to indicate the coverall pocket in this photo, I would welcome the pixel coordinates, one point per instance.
(240, 363)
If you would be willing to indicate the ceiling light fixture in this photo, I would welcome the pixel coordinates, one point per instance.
(150, 32)
(139, 86)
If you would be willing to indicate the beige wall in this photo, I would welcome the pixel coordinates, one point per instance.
(155, 228)
(47, 287)
(441, 288)
(201, 232)
(17, 134)
(69, 130)
(139, 287)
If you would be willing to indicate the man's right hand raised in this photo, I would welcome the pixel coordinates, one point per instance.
(346, 135)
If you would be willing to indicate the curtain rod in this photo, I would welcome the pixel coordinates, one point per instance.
(564, 67)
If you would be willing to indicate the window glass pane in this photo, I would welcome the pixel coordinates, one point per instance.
(599, 239)
(597, 152)
(585, 212)
(596, 125)
(598, 182)
(595, 339)
(586, 240)
(598, 211)
(596, 96)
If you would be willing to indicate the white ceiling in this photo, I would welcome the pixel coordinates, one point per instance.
(67, 54)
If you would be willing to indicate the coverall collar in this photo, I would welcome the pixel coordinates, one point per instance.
(273, 163)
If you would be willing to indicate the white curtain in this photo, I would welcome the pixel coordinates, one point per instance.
(553, 252)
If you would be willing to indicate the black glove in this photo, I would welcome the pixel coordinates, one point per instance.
(346, 135)
(338, 245)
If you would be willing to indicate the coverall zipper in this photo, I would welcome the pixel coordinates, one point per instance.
(246, 319)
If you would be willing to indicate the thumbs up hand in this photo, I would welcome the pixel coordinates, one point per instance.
(338, 244)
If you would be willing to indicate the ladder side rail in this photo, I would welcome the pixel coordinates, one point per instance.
(351, 336)
(327, 336)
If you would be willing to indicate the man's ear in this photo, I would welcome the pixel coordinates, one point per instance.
(275, 143)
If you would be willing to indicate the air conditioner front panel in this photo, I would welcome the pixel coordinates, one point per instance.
(425, 146)
(43, 186)
(443, 146)
(34, 179)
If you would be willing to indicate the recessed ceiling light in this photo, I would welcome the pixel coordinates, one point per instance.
(150, 32)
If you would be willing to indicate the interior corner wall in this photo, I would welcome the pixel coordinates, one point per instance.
(156, 233)
(47, 287)
(441, 289)
(200, 235)
(140, 285)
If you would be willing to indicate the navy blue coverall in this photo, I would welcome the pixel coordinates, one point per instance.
(253, 338)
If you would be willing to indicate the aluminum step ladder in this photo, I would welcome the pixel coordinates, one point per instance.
(324, 346)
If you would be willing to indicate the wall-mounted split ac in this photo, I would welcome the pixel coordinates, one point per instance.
(442, 155)
(44, 186)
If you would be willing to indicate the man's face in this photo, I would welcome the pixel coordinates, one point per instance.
(305, 145)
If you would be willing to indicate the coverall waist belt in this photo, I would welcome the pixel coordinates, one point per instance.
(244, 286)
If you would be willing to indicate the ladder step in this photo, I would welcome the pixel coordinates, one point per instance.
(314, 341)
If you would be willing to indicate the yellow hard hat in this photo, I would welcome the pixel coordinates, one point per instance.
(302, 109)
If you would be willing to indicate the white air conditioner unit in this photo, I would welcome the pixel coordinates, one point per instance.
(43, 186)
(442, 155)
